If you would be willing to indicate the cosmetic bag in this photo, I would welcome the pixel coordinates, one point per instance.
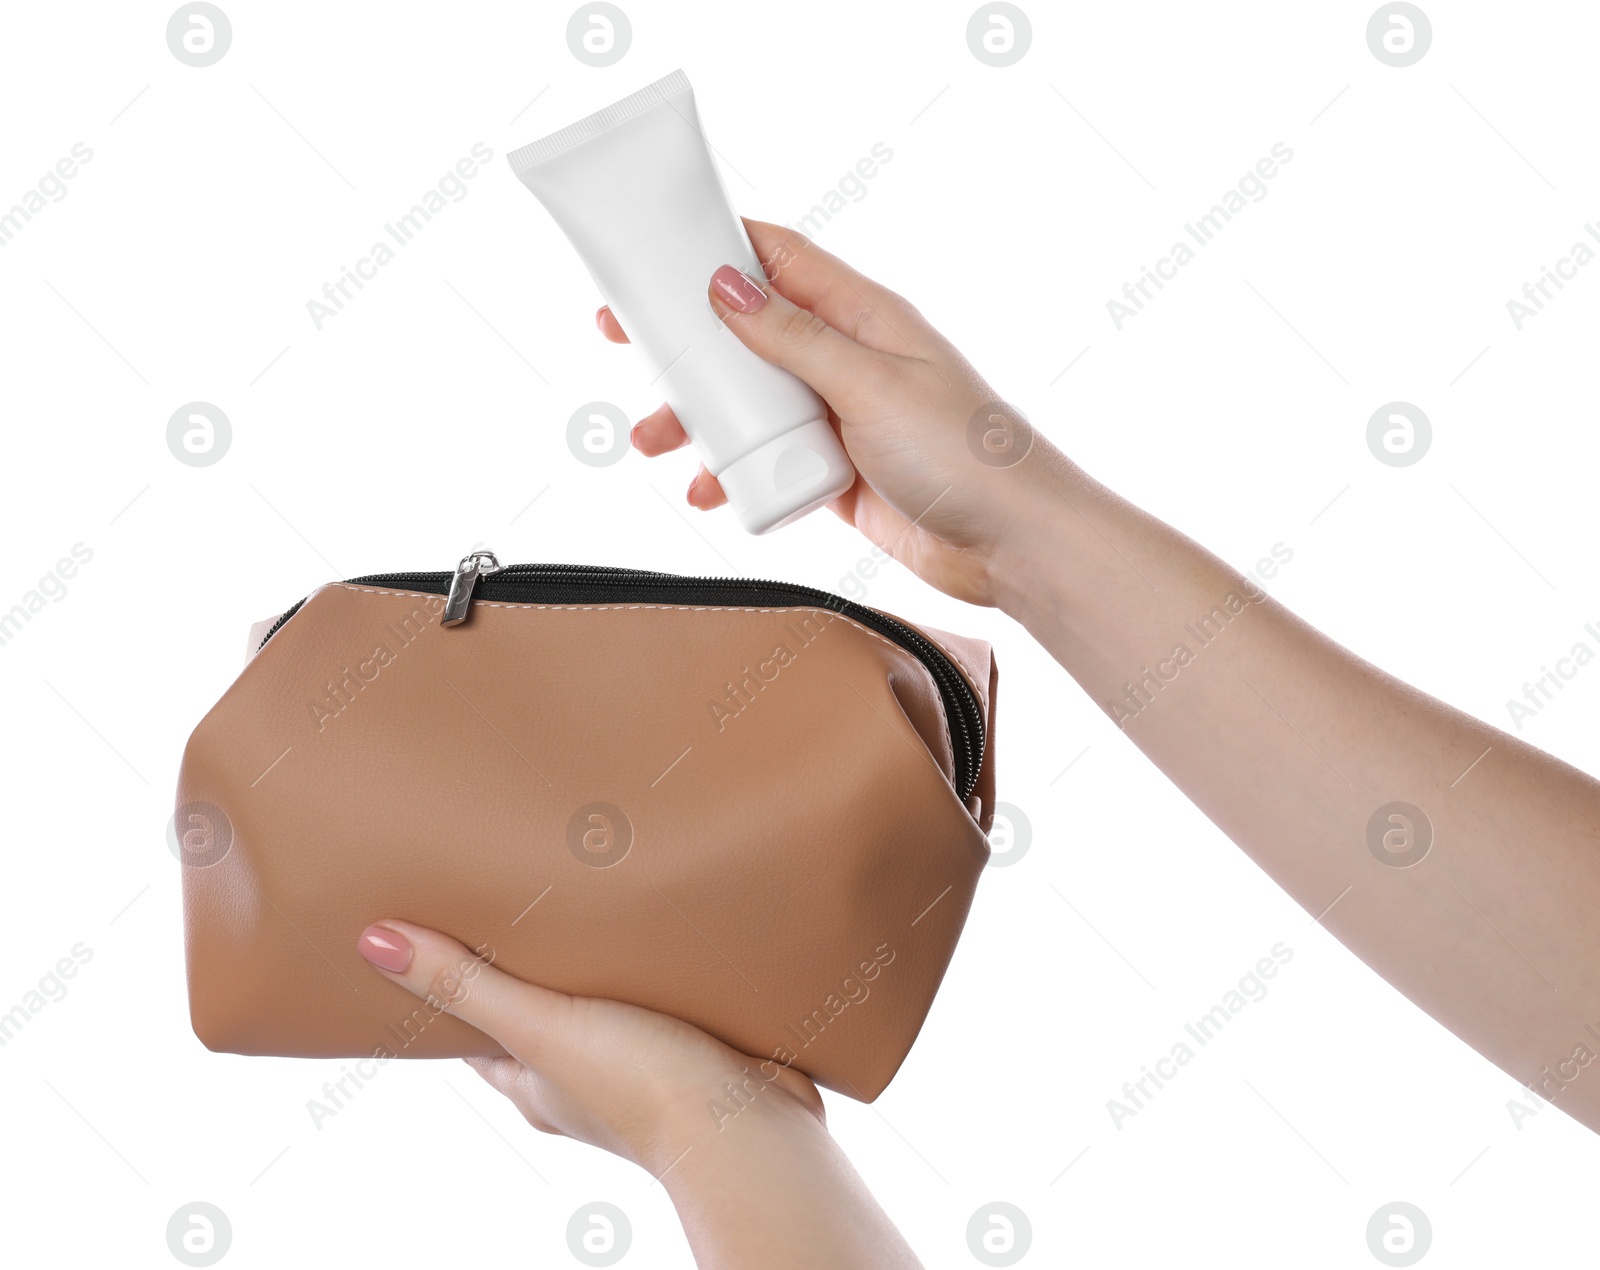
(755, 806)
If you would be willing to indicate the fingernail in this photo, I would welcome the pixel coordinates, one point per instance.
(384, 948)
(693, 481)
(737, 291)
(633, 434)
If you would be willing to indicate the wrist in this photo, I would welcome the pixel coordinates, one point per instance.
(770, 1187)
(719, 1128)
(1025, 564)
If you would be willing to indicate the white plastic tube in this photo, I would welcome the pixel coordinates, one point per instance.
(635, 189)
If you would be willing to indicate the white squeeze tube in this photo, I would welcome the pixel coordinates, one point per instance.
(635, 189)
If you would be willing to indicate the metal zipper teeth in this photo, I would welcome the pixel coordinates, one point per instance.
(964, 713)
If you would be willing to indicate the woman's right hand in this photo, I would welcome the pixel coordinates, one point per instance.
(938, 489)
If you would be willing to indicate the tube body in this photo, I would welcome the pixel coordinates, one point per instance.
(636, 191)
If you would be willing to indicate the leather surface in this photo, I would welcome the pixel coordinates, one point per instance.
(798, 863)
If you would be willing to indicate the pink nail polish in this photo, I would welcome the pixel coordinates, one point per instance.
(737, 291)
(384, 948)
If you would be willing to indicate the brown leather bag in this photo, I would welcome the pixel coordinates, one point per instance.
(755, 806)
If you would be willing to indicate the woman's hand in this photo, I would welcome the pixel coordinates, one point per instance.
(938, 489)
(613, 1075)
(644, 1086)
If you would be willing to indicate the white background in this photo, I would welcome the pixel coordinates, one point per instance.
(428, 415)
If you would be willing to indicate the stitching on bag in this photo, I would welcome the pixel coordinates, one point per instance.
(938, 698)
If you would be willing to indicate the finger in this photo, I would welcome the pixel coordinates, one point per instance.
(454, 978)
(705, 492)
(805, 1091)
(500, 1073)
(606, 320)
(771, 325)
(659, 432)
(508, 1077)
(846, 299)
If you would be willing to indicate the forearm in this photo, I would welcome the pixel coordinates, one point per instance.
(1292, 745)
(771, 1188)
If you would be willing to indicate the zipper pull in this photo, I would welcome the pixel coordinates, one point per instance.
(480, 564)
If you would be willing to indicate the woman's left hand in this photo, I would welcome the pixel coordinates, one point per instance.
(763, 1184)
(625, 1079)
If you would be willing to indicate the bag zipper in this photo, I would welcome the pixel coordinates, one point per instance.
(481, 576)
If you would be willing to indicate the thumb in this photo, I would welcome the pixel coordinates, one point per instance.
(464, 982)
(781, 332)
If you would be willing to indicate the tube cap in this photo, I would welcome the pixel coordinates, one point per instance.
(783, 479)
